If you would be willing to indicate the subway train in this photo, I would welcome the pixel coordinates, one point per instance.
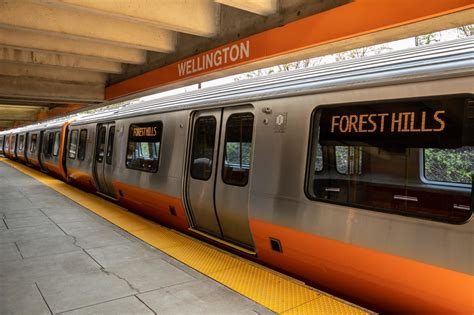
(355, 177)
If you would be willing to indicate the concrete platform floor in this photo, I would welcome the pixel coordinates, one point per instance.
(57, 257)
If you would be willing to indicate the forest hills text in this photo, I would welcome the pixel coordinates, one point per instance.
(392, 122)
(217, 58)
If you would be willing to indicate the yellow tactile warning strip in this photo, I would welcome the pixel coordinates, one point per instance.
(275, 291)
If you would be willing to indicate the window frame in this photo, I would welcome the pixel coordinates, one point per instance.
(160, 122)
(309, 160)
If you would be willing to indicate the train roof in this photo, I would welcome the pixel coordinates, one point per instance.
(447, 59)
(442, 60)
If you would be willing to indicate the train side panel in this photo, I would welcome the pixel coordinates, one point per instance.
(155, 194)
(355, 252)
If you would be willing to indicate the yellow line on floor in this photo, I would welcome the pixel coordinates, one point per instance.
(273, 290)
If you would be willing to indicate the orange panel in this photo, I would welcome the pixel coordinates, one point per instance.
(371, 278)
(152, 204)
(81, 179)
(357, 18)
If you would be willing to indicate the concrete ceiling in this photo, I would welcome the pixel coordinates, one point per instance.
(55, 52)
(59, 52)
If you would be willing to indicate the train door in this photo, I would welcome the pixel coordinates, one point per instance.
(104, 158)
(219, 167)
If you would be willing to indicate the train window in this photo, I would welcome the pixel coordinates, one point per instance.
(110, 146)
(238, 149)
(14, 138)
(73, 144)
(34, 139)
(45, 145)
(413, 157)
(203, 147)
(21, 142)
(81, 150)
(50, 143)
(57, 140)
(144, 145)
(100, 144)
(449, 165)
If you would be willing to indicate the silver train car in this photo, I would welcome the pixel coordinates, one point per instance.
(336, 175)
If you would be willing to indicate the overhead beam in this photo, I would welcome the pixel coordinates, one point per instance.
(20, 39)
(197, 17)
(31, 16)
(58, 60)
(51, 73)
(343, 28)
(26, 88)
(260, 7)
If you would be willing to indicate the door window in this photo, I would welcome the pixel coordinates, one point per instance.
(203, 147)
(34, 138)
(101, 145)
(110, 145)
(81, 150)
(238, 149)
(57, 139)
(73, 144)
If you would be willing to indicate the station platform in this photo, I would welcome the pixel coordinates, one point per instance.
(66, 251)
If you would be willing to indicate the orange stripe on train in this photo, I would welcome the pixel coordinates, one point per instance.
(372, 278)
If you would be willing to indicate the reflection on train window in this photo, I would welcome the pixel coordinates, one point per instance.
(100, 144)
(238, 149)
(34, 139)
(110, 145)
(57, 137)
(429, 175)
(21, 143)
(203, 147)
(144, 144)
(449, 165)
(73, 144)
(81, 149)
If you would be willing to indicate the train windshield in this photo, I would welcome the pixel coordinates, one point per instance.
(413, 158)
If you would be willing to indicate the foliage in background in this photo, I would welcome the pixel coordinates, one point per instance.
(450, 165)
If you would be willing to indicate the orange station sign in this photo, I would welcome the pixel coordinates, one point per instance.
(356, 18)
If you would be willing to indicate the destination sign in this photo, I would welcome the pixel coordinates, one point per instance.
(149, 132)
(427, 123)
